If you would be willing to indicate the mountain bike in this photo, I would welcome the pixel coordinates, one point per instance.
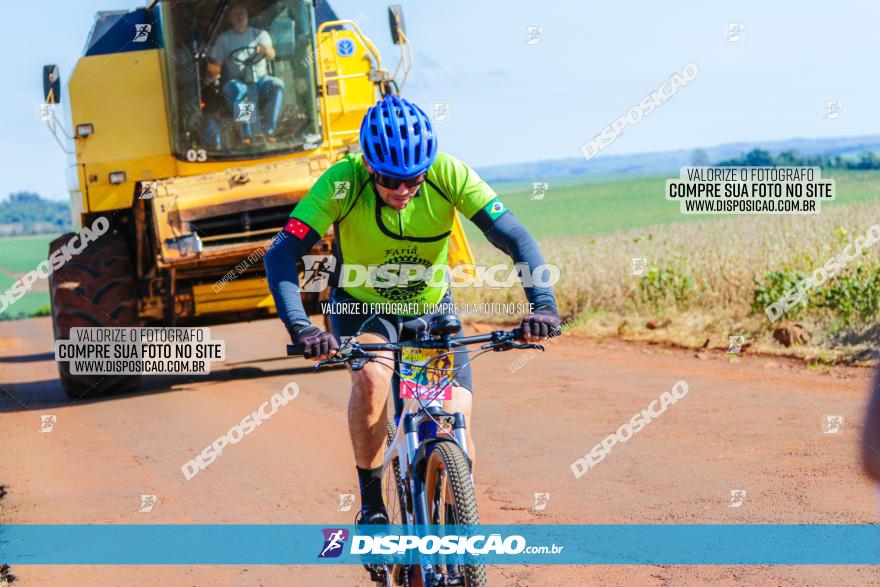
(426, 477)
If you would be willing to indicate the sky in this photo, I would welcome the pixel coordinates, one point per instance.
(512, 101)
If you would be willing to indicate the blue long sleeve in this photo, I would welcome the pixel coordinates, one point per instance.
(282, 273)
(510, 236)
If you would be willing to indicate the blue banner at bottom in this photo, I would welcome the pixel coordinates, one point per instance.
(277, 544)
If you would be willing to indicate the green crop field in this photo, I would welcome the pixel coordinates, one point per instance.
(577, 206)
(707, 276)
(571, 207)
(18, 255)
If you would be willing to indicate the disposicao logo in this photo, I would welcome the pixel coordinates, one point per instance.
(334, 540)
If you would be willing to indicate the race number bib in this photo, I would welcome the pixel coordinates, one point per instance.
(427, 384)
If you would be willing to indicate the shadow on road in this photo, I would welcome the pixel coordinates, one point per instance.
(29, 358)
(47, 393)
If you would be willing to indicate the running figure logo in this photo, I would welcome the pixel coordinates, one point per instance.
(832, 424)
(147, 502)
(639, 264)
(245, 112)
(318, 269)
(346, 500)
(832, 109)
(441, 111)
(334, 539)
(47, 423)
(141, 32)
(737, 497)
(534, 35)
(340, 189)
(735, 32)
(148, 189)
(47, 112)
(541, 500)
(735, 343)
(539, 190)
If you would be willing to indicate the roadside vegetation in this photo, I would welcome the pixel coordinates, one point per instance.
(24, 213)
(706, 280)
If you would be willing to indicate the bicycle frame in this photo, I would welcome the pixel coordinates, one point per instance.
(411, 451)
(406, 447)
(412, 416)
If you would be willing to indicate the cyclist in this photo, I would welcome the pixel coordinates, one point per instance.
(399, 199)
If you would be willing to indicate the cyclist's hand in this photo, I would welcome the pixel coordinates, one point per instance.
(317, 344)
(540, 325)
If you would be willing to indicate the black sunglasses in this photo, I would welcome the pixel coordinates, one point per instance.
(392, 183)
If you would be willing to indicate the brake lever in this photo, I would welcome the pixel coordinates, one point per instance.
(527, 345)
(357, 362)
(507, 345)
(501, 341)
(331, 361)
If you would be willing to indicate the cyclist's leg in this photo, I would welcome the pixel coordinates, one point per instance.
(367, 413)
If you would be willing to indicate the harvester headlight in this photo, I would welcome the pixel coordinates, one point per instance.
(187, 244)
(117, 177)
(84, 130)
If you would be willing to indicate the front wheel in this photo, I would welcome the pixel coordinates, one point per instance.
(451, 501)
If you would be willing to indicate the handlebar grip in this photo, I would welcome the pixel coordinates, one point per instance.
(295, 350)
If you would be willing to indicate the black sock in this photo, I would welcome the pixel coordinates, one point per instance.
(371, 488)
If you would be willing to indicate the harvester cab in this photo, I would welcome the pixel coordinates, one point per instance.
(195, 127)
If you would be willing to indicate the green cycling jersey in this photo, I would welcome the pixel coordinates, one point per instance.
(373, 237)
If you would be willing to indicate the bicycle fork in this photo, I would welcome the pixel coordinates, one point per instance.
(417, 486)
(417, 491)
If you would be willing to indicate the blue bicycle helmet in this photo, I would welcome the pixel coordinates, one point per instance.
(397, 138)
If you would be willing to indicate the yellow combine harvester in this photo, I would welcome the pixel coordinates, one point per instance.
(196, 150)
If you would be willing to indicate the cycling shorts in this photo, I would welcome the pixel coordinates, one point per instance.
(349, 315)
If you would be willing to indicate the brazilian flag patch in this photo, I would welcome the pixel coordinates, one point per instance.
(495, 208)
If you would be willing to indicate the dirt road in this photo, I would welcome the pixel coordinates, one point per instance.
(750, 424)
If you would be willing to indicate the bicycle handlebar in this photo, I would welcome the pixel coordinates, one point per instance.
(497, 340)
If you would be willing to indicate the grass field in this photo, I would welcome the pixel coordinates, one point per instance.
(18, 255)
(700, 283)
(591, 227)
(574, 206)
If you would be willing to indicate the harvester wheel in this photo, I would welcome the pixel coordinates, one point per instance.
(94, 288)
